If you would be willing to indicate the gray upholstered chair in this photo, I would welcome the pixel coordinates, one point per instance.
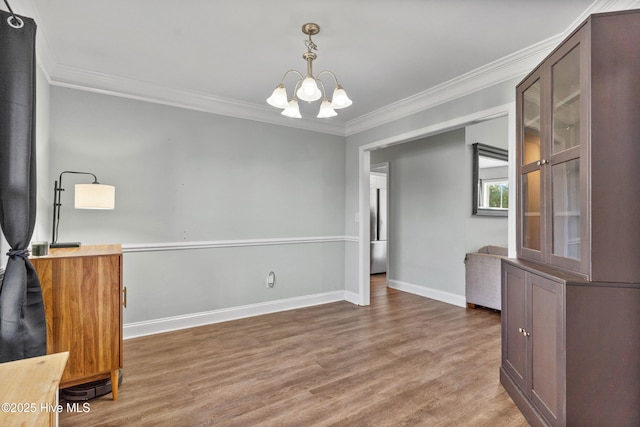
(483, 276)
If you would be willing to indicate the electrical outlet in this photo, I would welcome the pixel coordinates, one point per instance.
(271, 279)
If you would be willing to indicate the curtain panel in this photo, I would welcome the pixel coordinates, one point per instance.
(22, 318)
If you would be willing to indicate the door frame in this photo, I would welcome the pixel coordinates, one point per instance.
(364, 168)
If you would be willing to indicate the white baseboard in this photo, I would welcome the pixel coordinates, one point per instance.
(167, 324)
(436, 294)
(351, 297)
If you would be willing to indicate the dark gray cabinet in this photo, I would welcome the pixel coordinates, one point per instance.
(570, 347)
(571, 301)
(533, 309)
(578, 152)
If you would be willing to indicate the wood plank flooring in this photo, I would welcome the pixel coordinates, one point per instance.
(403, 361)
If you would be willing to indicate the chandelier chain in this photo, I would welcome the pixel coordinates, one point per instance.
(310, 45)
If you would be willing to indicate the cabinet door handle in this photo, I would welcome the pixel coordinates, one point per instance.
(124, 297)
(524, 332)
(539, 162)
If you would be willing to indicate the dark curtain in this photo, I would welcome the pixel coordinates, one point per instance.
(22, 320)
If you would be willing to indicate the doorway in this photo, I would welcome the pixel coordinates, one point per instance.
(364, 171)
(378, 219)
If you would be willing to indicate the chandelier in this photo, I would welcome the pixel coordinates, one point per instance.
(309, 88)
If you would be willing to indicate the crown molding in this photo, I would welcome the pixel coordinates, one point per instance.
(512, 66)
(82, 79)
(515, 65)
(509, 67)
(107, 84)
(488, 75)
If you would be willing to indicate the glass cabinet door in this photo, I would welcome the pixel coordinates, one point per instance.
(553, 160)
(566, 101)
(531, 125)
(565, 160)
(531, 209)
(531, 179)
(566, 209)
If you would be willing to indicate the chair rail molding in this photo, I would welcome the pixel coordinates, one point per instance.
(176, 246)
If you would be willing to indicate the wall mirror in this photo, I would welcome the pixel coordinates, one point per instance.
(490, 180)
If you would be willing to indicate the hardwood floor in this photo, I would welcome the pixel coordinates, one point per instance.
(403, 361)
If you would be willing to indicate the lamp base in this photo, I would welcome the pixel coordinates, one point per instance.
(65, 245)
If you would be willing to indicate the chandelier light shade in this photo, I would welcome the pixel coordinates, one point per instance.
(326, 110)
(292, 110)
(278, 98)
(309, 88)
(340, 98)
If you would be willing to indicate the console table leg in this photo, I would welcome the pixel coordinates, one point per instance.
(114, 384)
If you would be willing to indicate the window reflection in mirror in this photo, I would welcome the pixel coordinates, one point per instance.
(490, 181)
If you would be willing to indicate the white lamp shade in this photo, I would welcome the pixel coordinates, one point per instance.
(309, 90)
(95, 196)
(326, 110)
(279, 98)
(292, 110)
(340, 98)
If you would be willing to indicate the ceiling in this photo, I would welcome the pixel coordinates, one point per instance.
(227, 56)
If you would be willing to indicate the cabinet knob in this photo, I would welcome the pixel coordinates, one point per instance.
(539, 162)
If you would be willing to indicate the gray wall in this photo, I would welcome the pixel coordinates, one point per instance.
(399, 131)
(427, 207)
(484, 230)
(183, 175)
(42, 231)
(430, 222)
(186, 177)
(189, 176)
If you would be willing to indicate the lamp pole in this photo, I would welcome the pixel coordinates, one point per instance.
(57, 192)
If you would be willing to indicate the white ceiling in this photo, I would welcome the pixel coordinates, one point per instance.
(226, 56)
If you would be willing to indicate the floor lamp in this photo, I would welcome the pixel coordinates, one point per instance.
(87, 196)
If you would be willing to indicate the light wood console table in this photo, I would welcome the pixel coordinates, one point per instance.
(29, 390)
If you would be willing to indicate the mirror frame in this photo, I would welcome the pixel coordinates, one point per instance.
(486, 151)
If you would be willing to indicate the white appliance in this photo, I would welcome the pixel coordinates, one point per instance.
(378, 204)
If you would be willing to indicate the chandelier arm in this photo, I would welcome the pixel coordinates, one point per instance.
(295, 89)
(324, 92)
(291, 71)
(329, 72)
